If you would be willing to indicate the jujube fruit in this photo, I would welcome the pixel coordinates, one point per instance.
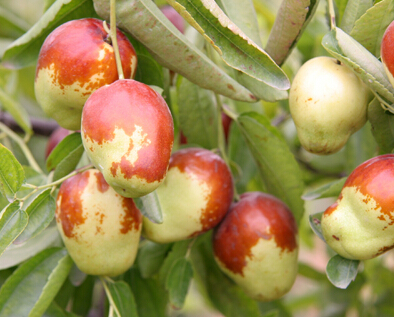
(100, 228)
(128, 132)
(256, 245)
(74, 60)
(359, 225)
(328, 103)
(387, 52)
(194, 197)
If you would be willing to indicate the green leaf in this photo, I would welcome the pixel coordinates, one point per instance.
(291, 20)
(341, 272)
(341, 7)
(65, 156)
(151, 256)
(41, 212)
(225, 295)
(235, 48)
(24, 51)
(309, 272)
(315, 223)
(178, 281)
(32, 287)
(123, 299)
(368, 29)
(331, 189)
(11, 173)
(354, 10)
(369, 69)
(83, 295)
(277, 165)
(145, 22)
(13, 221)
(12, 26)
(150, 296)
(382, 123)
(198, 118)
(150, 207)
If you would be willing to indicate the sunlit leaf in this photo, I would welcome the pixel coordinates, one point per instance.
(341, 272)
(354, 10)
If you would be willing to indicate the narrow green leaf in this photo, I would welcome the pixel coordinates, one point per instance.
(24, 51)
(341, 272)
(354, 10)
(54, 310)
(331, 189)
(277, 165)
(369, 28)
(11, 173)
(178, 281)
(369, 69)
(291, 20)
(12, 26)
(382, 123)
(151, 256)
(198, 115)
(150, 207)
(13, 221)
(315, 223)
(145, 22)
(309, 272)
(235, 48)
(41, 212)
(32, 287)
(61, 152)
(123, 299)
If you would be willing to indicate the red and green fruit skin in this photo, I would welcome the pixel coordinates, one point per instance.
(387, 52)
(359, 225)
(194, 197)
(128, 132)
(100, 229)
(256, 245)
(75, 60)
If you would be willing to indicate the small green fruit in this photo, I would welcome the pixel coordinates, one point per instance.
(100, 228)
(194, 197)
(360, 225)
(328, 103)
(256, 245)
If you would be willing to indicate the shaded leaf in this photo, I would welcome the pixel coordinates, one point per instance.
(41, 212)
(151, 256)
(178, 281)
(83, 295)
(331, 189)
(145, 22)
(24, 51)
(277, 165)
(354, 10)
(235, 48)
(11, 173)
(315, 223)
(198, 118)
(150, 207)
(13, 221)
(123, 299)
(341, 272)
(37, 282)
(366, 66)
(368, 29)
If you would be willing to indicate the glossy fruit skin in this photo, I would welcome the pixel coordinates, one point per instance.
(387, 52)
(359, 225)
(100, 228)
(54, 139)
(194, 197)
(128, 133)
(328, 103)
(256, 245)
(74, 61)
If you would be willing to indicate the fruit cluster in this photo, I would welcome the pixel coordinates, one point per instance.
(127, 133)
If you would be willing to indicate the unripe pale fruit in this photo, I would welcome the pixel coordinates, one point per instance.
(75, 60)
(194, 197)
(100, 228)
(359, 225)
(256, 245)
(128, 132)
(387, 52)
(328, 103)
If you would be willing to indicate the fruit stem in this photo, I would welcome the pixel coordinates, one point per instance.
(114, 38)
(331, 12)
(26, 151)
